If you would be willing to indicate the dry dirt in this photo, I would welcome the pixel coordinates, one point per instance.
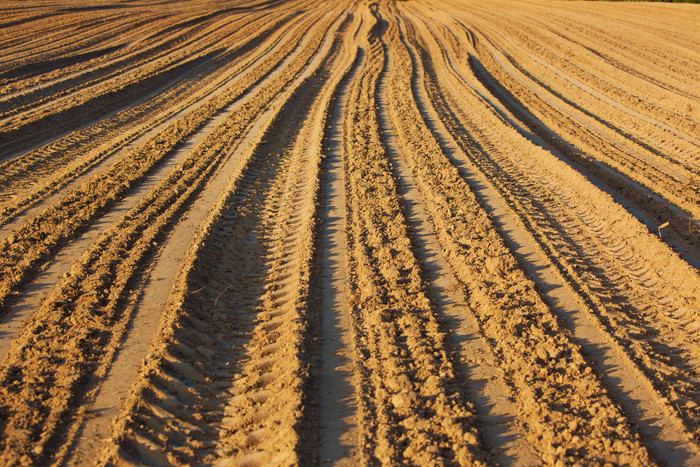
(249, 232)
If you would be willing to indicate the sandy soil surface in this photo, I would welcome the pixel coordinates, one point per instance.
(251, 232)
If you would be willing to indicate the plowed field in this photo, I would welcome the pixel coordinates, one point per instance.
(246, 232)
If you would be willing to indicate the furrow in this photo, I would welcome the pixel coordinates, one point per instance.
(91, 308)
(674, 199)
(411, 408)
(292, 232)
(260, 238)
(79, 34)
(606, 82)
(114, 389)
(34, 242)
(36, 76)
(333, 381)
(584, 283)
(546, 368)
(655, 144)
(602, 266)
(628, 56)
(67, 112)
(14, 103)
(483, 381)
(67, 163)
(648, 207)
(22, 95)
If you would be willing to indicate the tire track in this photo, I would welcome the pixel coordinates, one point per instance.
(126, 59)
(592, 64)
(604, 155)
(656, 143)
(349, 233)
(637, 135)
(484, 384)
(410, 408)
(647, 65)
(114, 390)
(91, 300)
(18, 314)
(83, 33)
(84, 155)
(592, 325)
(30, 246)
(106, 95)
(338, 438)
(29, 95)
(267, 294)
(615, 275)
(557, 370)
(647, 206)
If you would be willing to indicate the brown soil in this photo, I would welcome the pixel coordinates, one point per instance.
(255, 232)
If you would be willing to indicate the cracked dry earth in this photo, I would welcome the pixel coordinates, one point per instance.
(249, 232)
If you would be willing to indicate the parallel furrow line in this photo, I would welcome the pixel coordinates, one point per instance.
(87, 314)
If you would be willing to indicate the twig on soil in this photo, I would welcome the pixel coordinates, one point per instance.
(665, 224)
(222, 292)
